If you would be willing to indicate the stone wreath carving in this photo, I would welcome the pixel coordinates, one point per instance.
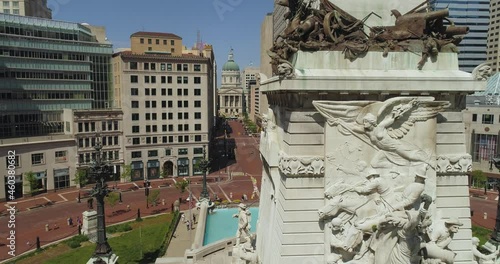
(301, 166)
(454, 163)
(320, 25)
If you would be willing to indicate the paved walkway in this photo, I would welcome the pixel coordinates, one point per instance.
(183, 238)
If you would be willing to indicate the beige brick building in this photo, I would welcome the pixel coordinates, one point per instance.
(493, 55)
(167, 97)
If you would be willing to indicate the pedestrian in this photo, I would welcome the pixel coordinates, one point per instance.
(47, 228)
(162, 201)
(128, 207)
(231, 195)
(194, 218)
(78, 221)
(188, 225)
(183, 218)
(70, 221)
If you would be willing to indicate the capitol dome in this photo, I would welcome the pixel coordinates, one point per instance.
(230, 65)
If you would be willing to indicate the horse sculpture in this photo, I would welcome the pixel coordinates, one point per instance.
(350, 206)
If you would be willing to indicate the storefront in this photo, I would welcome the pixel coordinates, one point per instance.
(41, 180)
(137, 173)
(183, 167)
(153, 169)
(197, 170)
(61, 178)
(17, 192)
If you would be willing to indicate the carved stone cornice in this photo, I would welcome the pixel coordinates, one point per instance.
(301, 165)
(453, 163)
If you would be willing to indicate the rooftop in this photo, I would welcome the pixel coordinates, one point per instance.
(155, 34)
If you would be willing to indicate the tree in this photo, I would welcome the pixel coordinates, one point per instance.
(163, 173)
(81, 178)
(181, 185)
(112, 199)
(127, 172)
(479, 178)
(31, 181)
(153, 197)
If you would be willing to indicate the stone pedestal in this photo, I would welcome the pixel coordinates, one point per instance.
(310, 152)
(89, 225)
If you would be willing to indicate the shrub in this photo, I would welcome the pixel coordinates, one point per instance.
(119, 228)
(76, 241)
(236, 201)
(225, 202)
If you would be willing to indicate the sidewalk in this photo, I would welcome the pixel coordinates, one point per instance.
(182, 239)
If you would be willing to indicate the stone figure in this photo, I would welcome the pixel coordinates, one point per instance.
(482, 72)
(440, 237)
(245, 253)
(344, 239)
(285, 70)
(480, 258)
(244, 218)
(384, 129)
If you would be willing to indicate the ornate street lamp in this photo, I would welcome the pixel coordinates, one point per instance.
(204, 166)
(103, 254)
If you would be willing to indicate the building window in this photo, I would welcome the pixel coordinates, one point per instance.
(15, 11)
(135, 129)
(197, 151)
(179, 79)
(488, 119)
(185, 92)
(197, 170)
(134, 91)
(136, 141)
(134, 79)
(61, 179)
(172, 42)
(61, 156)
(197, 92)
(142, 41)
(37, 159)
(146, 66)
(484, 147)
(169, 66)
(164, 42)
(183, 151)
(162, 67)
(179, 92)
(179, 67)
(197, 138)
(185, 67)
(157, 42)
(146, 79)
(169, 79)
(197, 80)
(168, 152)
(197, 103)
(15, 160)
(197, 115)
(150, 41)
(197, 127)
(185, 80)
(197, 67)
(135, 104)
(6, 4)
(153, 66)
(136, 154)
(135, 117)
(133, 65)
(15, 4)
(153, 153)
(183, 167)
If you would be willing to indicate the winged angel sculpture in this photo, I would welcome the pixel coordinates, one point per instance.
(383, 125)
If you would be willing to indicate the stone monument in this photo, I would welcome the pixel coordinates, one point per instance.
(363, 147)
(89, 226)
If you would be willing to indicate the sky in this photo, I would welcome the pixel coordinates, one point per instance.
(225, 24)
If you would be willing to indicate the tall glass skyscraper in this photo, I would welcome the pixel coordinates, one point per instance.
(46, 66)
(476, 15)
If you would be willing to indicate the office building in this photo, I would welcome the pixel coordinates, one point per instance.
(33, 8)
(475, 15)
(493, 31)
(166, 94)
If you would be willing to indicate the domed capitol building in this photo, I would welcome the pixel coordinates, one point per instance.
(231, 93)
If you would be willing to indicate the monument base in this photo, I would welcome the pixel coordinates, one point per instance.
(89, 227)
(107, 259)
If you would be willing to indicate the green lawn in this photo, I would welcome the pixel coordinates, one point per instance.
(141, 245)
(482, 233)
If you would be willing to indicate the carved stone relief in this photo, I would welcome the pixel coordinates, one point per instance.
(301, 166)
(482, 72)
(454, 163)
(380, 180)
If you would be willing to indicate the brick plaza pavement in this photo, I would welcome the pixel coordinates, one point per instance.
(53, 208)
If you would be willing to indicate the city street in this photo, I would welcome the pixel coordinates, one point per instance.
(53, 208)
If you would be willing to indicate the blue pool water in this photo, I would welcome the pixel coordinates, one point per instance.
(222, 225)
